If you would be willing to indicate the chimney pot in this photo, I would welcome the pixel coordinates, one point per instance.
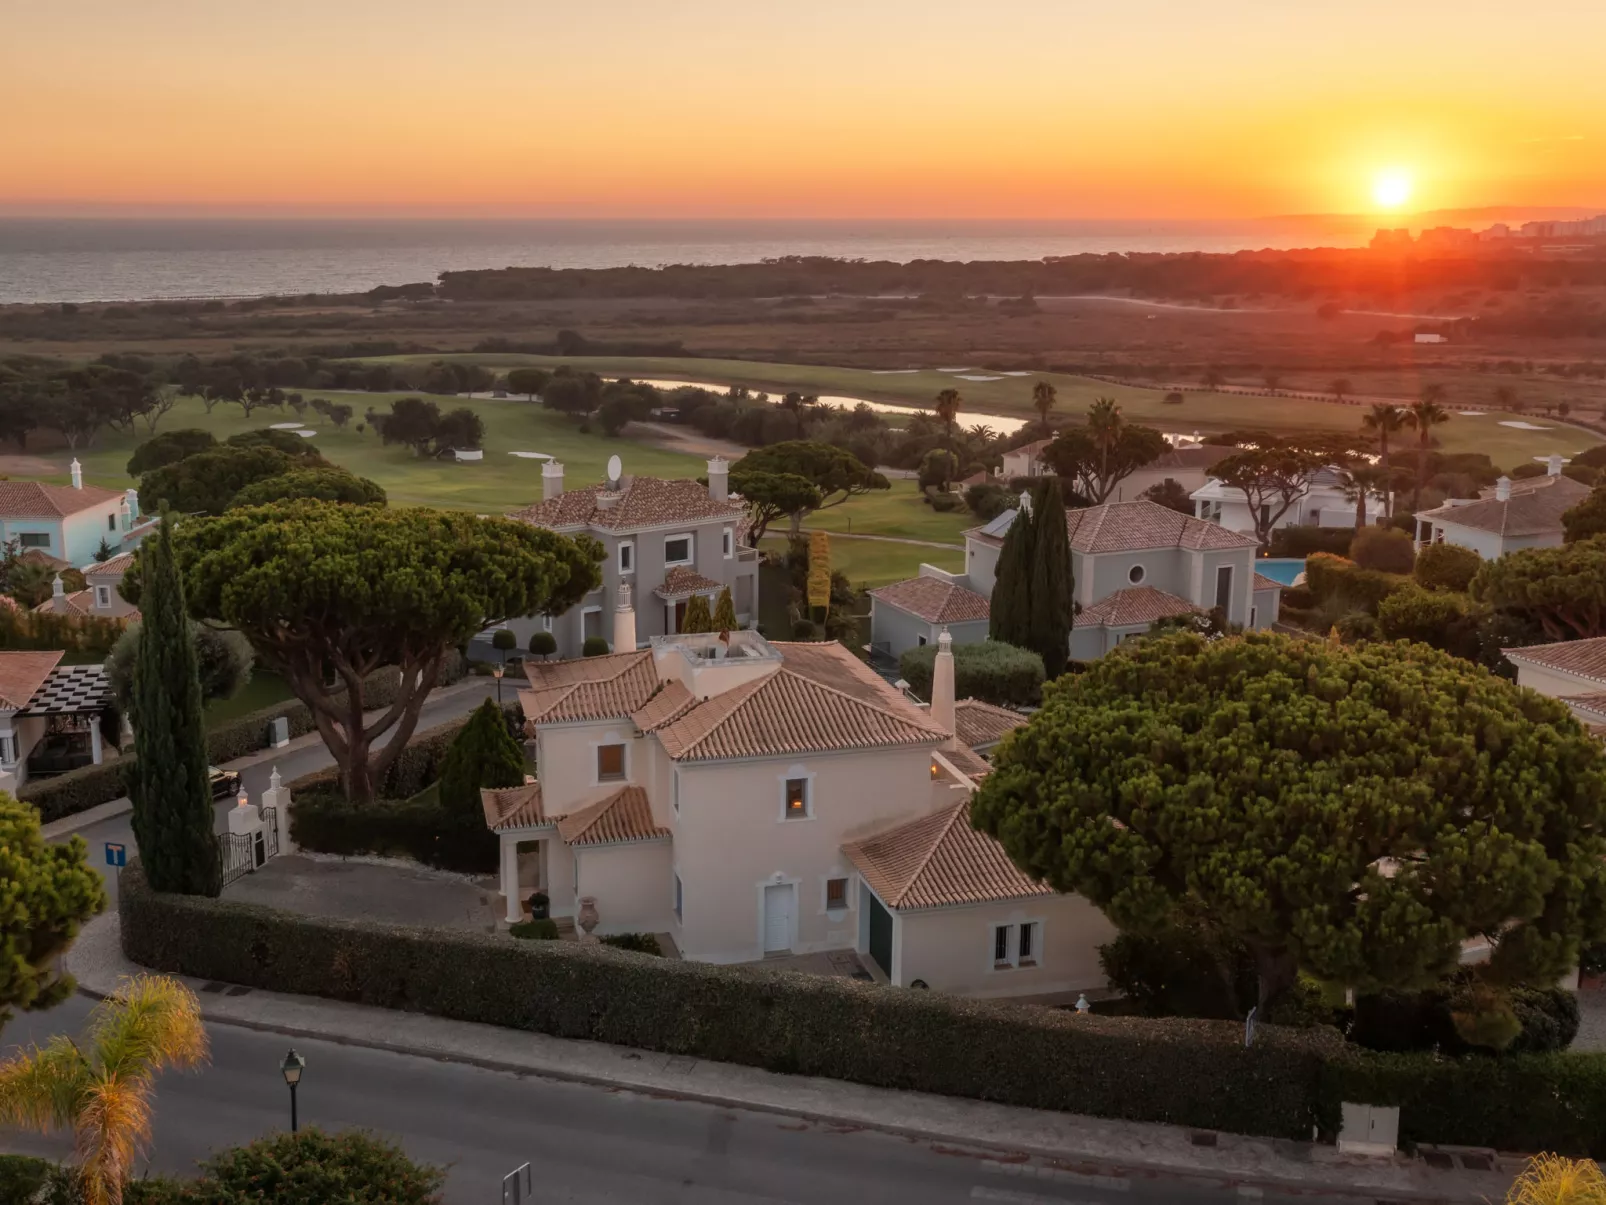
(624, 622)
(719, 479)
(57, 590)
(551, 479)
(1502, 489)
(77, 474)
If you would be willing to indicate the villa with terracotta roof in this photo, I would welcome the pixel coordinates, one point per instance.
(1573, 671)
(664, 542)
(754, 799)
(99, 598)
(69, 522)
(1132, 562)
(1187, 466)
(1507, 517)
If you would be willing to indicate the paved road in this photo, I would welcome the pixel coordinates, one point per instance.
(587, 1144)
(291, 766)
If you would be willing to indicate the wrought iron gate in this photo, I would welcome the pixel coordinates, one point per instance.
(237, 854)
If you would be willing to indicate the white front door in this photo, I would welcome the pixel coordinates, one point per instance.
(778, 917)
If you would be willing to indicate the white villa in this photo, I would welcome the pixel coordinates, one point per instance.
(754, 800)
(1573, 671)
(99, 597)
(1187, 464)
(1133, 563)
(1321, 504)
(1510, 516)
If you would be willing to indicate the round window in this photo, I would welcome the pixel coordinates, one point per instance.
(1135, 574)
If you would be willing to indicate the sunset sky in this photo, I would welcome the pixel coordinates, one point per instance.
(833, 108)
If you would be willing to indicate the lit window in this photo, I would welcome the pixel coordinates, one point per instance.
(728, 543)
(610, 763)
(836, 895)
(627, 557)
(797, 798)
(1135, 574)
(677, 550)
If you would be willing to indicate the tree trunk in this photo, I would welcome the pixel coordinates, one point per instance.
(1276, 972)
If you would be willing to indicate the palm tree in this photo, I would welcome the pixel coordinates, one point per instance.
(101, 1090)
(795, 404)
(1105, 425)
(1363, 481)
(1341, 389)
(947, 406)
(1043, 398)
(1424, 416)
(1384, 419)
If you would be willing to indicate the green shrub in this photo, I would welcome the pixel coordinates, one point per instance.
(988, 500)
(1384, 550)
(1182, 1072)
(1325, 572)
(641, 943)
(1335, 578)
(21, 1176)
(393, 828)
(352, 1167)
(542, 929)
(543, 644)
(1298, 540)
(944, 503)
(990, 670)
(482, 754)
(1298, 597)
(1181, 973)
(805, 629)
(594, 646)
(77, 790)
(1446, 567)
(1400, 1022)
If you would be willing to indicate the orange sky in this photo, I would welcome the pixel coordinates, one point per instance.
(918, 108)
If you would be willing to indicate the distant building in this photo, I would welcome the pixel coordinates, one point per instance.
(1573, 671)
(1027, 461)
(1321, 504)
(69, 523)
(1510, 516)
(51, 716)
(1430, 337)
(99, 599)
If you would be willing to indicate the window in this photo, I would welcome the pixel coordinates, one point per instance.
(921, 639)
(1135, 574)
(1224, 587)
(797, 799)
(677, 550)
(1315, 519)
(111, 521)
(836, 895)
(1017, 945)
(34, 539)
(610, 763)
(727, 543)
(680, 899)
(590, 623)
(1026, 944)
(103, 597)
(1265, 514)
(8, 749)
(627, 557)
(1001, 945)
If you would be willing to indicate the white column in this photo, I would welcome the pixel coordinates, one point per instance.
(95, 752)
(510, 879)
(277, 797)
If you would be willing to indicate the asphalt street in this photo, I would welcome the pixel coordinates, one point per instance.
(585, 1144)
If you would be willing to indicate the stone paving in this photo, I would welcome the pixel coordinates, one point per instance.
(355, 889)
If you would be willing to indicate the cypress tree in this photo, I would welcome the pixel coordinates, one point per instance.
(1010, 612)
(725, 612)
(483, 754)
(172, 795)
(697, 617)
(1051, 585)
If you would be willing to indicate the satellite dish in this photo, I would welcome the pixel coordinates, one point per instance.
(615, 467)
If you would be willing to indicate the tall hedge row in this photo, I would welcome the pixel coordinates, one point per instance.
(1194, 1073)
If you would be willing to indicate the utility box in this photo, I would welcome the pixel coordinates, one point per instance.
(1369, 1130)
(278, 733)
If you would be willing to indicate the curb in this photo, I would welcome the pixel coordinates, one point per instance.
(1083, 1169)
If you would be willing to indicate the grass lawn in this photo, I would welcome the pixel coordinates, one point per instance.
(263, 690)
(900, 511)
(1203, 412)
(875, 562)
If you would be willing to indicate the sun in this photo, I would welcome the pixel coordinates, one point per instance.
(1391, 189)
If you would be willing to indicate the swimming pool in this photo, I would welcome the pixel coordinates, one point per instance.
(1281, 569)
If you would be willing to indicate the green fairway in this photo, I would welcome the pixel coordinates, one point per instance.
(1011, 396)
(877, 562)
(900, 511)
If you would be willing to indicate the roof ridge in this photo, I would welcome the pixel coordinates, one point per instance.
(943, 830)
(923, 721)
(741, 694)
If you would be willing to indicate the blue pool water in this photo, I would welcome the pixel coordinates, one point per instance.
(1281, 569)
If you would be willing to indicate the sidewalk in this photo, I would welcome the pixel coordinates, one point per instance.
(1067, 1147)
(118, 807)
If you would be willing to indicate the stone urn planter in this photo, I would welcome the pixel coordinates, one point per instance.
(587, 920)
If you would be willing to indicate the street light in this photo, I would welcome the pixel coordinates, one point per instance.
(496, 672)
(292, 1067)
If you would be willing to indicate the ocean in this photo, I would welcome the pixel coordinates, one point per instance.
(102, 259)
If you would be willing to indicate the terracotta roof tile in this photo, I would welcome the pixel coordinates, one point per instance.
(1535, 508)
(1134, 605)
(1142, 524)
(21, 676)
(683, 581)
(980, 723)
(38, 500)
(789, 711)
(38, 556)
(639, 502)
(933, 599)
(1593, 704)
(513, 807)
(1262, 582)
(590, 688)
(621, 815)
(115, 567)
(968, 762)
(82, 603)
(664, 707)
(940, 860)
(1581, 658)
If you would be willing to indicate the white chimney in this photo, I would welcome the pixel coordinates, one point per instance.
(942, 682)
(1502, 490)
(1553, 465)
(551, 479)
(58, 592)
(719, 479)
(624, 622)
(77, 474)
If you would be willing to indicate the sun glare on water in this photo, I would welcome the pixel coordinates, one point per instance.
(1391, 189)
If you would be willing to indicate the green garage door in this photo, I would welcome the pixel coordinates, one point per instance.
(880, 933)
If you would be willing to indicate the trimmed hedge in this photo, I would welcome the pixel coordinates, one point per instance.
(398, 828)
(989, 670)
(1300, 540)
(90, 786)
(1181, 1072)
(1338, 577)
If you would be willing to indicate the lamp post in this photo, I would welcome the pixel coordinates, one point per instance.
(292, 1067)
(496, 672)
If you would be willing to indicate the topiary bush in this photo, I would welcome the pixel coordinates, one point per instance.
(594, 646)
(641, 943)
(1383, 549)
(1182, 1072)
(543, 644)
(1301, 540)
(1446, 567)
(483, 754)
(989, 670)
(352, 1167)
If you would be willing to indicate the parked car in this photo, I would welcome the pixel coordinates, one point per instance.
(225, 783)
